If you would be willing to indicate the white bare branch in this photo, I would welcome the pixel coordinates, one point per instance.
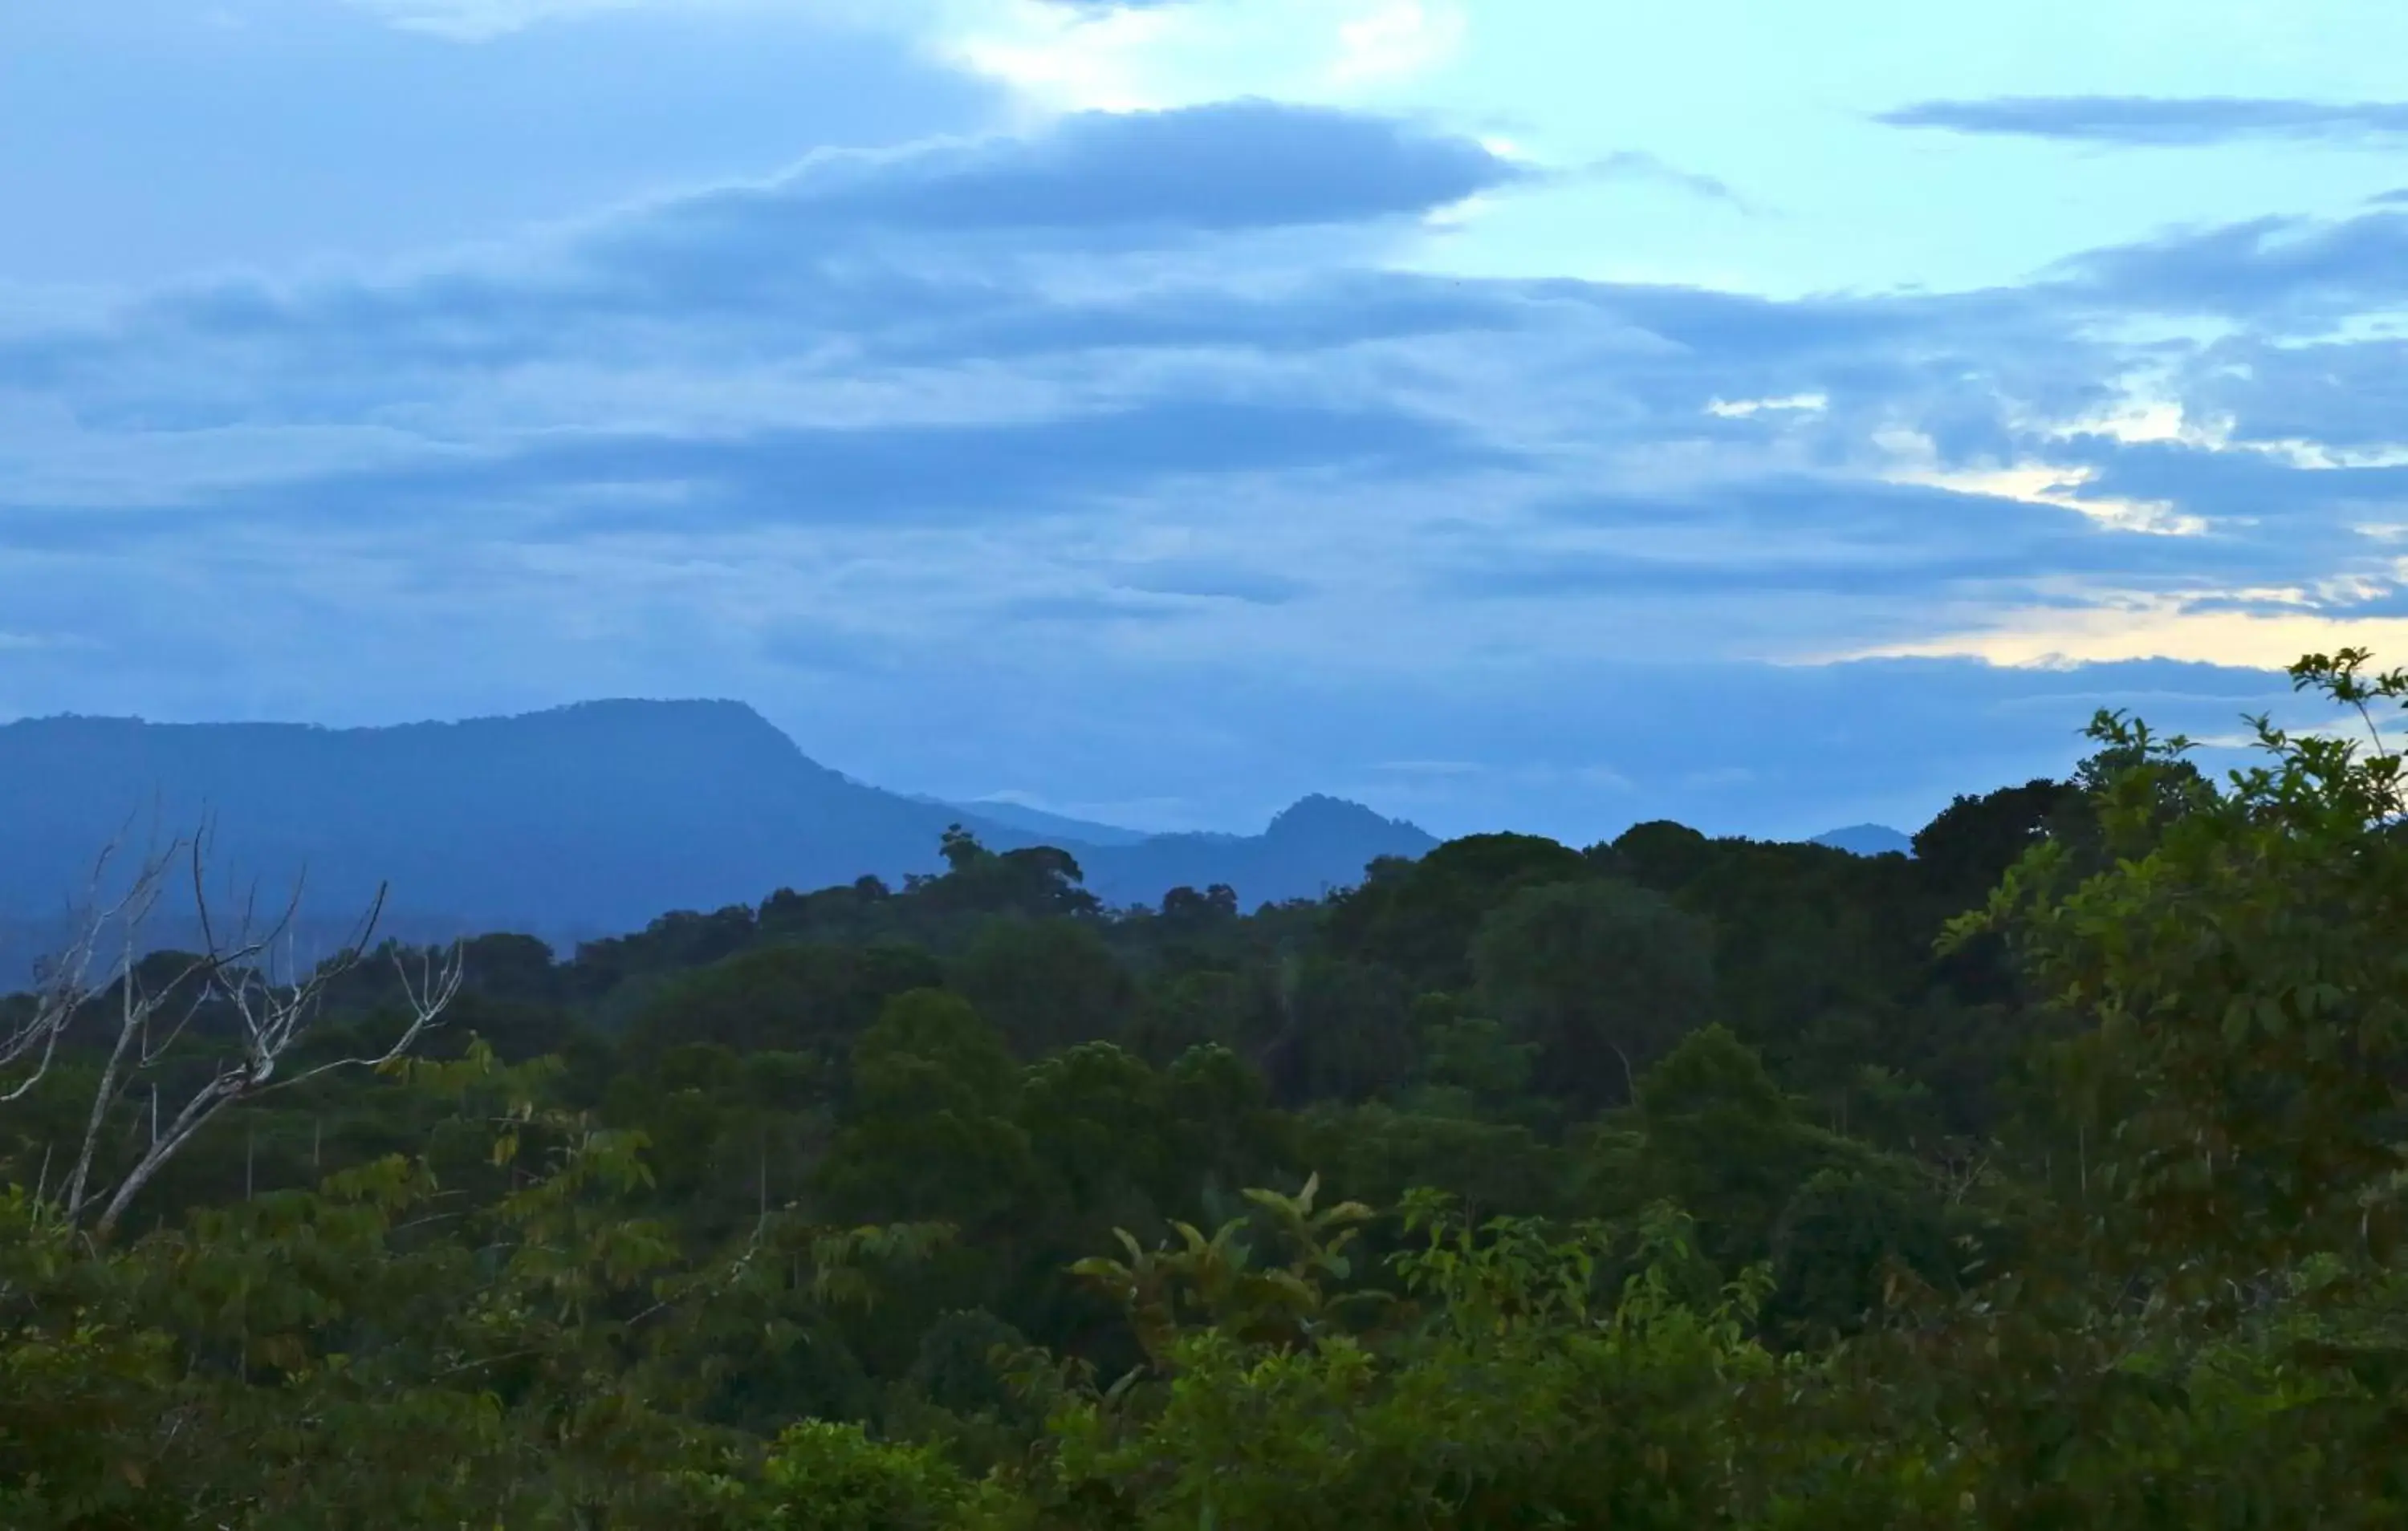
(89, 963)
(245, 976)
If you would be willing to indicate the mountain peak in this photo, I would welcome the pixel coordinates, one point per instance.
(1867, 841)
(721, 715)
(643, 707)
(595, 816)
(1322, 816)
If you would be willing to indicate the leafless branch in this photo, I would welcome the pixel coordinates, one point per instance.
(64, 983)
(237, 976)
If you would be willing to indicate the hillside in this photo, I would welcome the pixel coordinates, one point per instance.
(581, 821)
(1868, 841)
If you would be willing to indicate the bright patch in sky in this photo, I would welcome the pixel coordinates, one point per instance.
(1519, 412)
(1072, 58)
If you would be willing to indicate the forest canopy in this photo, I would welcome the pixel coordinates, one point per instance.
(2049, 1176)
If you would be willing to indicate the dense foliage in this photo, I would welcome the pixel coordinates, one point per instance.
(2049, 1178)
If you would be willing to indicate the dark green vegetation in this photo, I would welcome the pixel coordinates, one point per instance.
(2051, 1178)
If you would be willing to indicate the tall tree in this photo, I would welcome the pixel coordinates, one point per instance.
(1603, 977)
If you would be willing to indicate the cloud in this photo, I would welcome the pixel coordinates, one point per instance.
(1494, 744)
(1051, 55)
(1242, 164)
(2343, 396)
(1085, 608)
(1070, 57)
(2291, 270)
(2159, 122)
(933, 474)
(482, 22)
(1778, 548)
(1210, 580)
(171, 151)
(951, 248)
(1634, 164)
(1176, 485)
(1397, 39)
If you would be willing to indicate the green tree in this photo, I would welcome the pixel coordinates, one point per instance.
(1967, 849)
(1350, 1033)
(1418, 918)
(1724, 1143)
(1046, 984)
(1035, 882)
(1660, 854)
(1603, 977)
(811, 997)
(2241, 1079)
(929, 1132)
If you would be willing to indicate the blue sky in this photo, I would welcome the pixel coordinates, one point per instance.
(1528, 413)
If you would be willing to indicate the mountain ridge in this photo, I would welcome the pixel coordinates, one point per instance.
(570, 822)
(1021, 817)
(1868, 841)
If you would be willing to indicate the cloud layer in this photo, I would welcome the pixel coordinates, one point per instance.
(1130, 463)
(2158, 121)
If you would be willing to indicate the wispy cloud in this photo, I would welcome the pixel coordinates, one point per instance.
(1635, 164)
(2291, 271)
(481, 21)
(2159, 121)
(1233, 166)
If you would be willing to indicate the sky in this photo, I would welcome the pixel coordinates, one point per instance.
(1533, 414)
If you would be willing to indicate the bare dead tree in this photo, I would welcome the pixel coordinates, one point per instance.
(247, 975)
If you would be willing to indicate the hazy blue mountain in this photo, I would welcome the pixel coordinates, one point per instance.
(584, 821)
(1054, 828)
(1868, 841)
(1303, 854)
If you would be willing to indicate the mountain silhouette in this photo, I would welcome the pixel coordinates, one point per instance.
(579, 822)
(1319, 844)
(1054, 828)
(1868, 841)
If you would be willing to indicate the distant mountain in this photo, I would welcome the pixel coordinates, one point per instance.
(1051, 828)
(579, 822)
(1320, 844)
(1868, 841)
